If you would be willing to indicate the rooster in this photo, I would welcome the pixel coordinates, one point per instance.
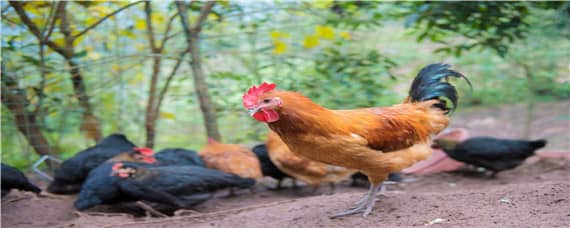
(375, 141)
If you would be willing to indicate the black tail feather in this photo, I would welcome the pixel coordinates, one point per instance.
(536, 144)
(428, 85)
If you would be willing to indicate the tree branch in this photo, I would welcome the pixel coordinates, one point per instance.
(168, 79)
(104, 18)
(52, 24)
(165, 37)
(149, 27)
(204, 12)
(34, 28)
(192, 39)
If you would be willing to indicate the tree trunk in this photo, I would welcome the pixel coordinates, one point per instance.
(151, 115)
(527, 132)
(15, 100)
(90, 123)
(192, 39)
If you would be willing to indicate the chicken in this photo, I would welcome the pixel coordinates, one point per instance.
(176, 186)
(231, 158)
(177, 156)
(311, 172)
(145, 155)
(72, 172)
(490, 153)
(102, 188)
(267, 167)
(375, 141)
(12, 178)
(99, 187)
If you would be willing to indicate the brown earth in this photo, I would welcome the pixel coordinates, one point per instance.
(533, 195)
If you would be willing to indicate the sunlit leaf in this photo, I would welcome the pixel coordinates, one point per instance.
(157, 18)
(168, 115)
(93, 55)
(311, 41)
(280, 47)
(59, 41)
(213, 17)
(345, 35)
(140, 24)
(91, 20)
(278, 35)
(325, 32)
(323, 4)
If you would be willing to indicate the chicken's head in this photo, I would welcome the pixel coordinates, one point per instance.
(260, 104)
(144, 154)
(119, 169)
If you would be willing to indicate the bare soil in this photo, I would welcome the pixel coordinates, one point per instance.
(536, 194)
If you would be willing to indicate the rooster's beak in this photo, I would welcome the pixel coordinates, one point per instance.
(252, 111)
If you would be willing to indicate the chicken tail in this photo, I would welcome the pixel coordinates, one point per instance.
(31, 188)
(428, 86)
(536, 144)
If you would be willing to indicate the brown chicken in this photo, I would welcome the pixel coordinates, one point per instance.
(311, 172)
(231, 158)
(375, 141)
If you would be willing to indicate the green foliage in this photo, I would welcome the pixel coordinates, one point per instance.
(485, 24)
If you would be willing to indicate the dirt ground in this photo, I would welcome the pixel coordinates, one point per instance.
(536, 194)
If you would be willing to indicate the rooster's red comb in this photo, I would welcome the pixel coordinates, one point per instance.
(251, 96)
(117, 166)
(144, 151)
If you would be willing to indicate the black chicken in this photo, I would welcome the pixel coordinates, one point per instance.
(101, 187)
(12, 178)
(177, 186)
(72, 172)
(267, 167)
(490, 153)
(177, 156)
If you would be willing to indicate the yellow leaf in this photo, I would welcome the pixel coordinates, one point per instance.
(325, 32)
(91, 20)
(213, 17)
(276, 35)
(116, 67)
(280, 47)
(139, 77)
(167, 115)
(79, 40)
(93, 55)
(345, 35)
(157, 18)
(323, 4)
(60, 42)
(100, 10)
(140, 24)
(311, 41)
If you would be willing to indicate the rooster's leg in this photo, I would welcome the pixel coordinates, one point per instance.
(366, 204)
(382, 191)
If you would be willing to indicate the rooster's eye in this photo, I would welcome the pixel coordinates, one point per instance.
(266, 100)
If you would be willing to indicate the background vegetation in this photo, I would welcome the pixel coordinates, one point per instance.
(90, 69)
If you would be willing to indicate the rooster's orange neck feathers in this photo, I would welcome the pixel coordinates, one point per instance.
(298, 114)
